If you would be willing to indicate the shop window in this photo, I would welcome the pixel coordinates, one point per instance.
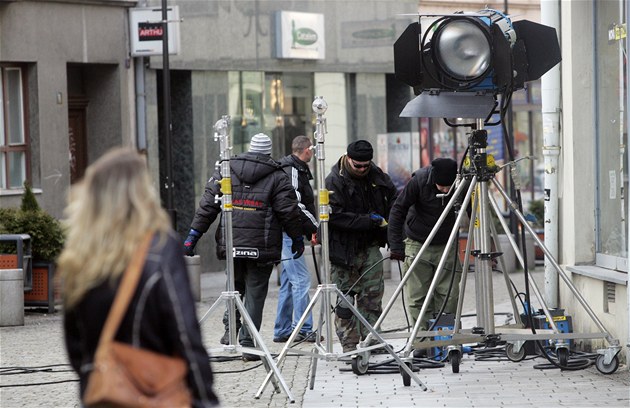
(611, 136)
(277, 104)
(14, 150)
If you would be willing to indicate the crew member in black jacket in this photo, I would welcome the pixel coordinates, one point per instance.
(413, 216)
(264, 204)
(361, 196)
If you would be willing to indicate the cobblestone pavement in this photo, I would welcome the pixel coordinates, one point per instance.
(35, 372)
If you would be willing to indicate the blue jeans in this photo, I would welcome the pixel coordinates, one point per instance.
(293, 298)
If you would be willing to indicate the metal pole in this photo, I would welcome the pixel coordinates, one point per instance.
(319, 107)
(222, 134)
(166, 117)
(550, 86)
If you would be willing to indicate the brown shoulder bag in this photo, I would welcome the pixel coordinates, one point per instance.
(125, 376)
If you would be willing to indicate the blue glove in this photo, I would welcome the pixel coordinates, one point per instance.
(191, 241)
(378, 220)
(297, 248)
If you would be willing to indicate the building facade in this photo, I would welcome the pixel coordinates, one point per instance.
(66, 93)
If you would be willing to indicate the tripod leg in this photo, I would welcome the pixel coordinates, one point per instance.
(563, 275)
(285, 349)
(387, 347)
(495, 207)
(313, 367)
(462, 283)
(247, 320)
(211, 309)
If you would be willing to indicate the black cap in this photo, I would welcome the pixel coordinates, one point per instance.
(444, 171)
(361, 150)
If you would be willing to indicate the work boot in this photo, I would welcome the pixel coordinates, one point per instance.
(349, 347)
(250, 357)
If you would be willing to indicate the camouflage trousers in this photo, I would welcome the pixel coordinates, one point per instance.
(420, 279)
(363, 286)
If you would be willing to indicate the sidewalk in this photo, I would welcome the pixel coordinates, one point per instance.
(480, 383)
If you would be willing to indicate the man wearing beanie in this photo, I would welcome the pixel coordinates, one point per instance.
(413, 216)
(361, 196)
(264, 205)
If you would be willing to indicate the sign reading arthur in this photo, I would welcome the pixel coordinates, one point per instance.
(300, 35)
(146, 31)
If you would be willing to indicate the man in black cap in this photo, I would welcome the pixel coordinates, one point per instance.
(361, 196)
(411, 220)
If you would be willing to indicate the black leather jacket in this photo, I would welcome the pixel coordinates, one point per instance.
(264, 204)
(161, 317)
(351, 203)
(416, 212)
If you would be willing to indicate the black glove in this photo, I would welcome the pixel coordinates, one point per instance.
(297, 248)
(397, 256)
(191, 241)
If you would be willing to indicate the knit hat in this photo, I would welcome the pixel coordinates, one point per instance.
(361, 150)
(260, 143)
(444, 171)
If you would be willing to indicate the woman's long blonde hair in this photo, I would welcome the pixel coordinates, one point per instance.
(109, 213)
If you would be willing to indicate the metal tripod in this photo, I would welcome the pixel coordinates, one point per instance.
(479, 173)
(231, 297)
(327, 289)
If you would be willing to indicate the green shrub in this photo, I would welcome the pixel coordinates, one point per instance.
(46, 233)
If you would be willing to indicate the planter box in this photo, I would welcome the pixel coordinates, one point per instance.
(43, 293)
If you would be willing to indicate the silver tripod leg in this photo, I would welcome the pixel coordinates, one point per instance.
(407, 275)
(614, 343)
(233, 302)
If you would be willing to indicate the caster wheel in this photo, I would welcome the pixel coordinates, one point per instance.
(606, 368)
(512, 355)
(455, 357)
(360, 364)
(405, 376)
(563, 356)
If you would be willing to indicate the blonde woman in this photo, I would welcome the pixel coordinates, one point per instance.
(110, 212)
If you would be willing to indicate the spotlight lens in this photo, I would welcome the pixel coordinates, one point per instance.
(463, 50)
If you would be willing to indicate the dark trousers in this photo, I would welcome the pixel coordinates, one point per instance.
(251, 280)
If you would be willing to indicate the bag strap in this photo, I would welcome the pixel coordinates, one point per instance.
(128, 284)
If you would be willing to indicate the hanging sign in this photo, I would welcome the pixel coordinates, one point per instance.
(300, 35)
(146, 31)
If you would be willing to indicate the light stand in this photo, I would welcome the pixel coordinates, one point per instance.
(231, 297)
(326, 290)
(478, 172)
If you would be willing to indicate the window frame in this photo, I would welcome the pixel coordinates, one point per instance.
(6, 147)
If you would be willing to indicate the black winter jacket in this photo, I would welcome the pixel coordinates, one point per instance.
(161, 317)
(418, 209)
(264, 204)
(300, 176)
(351, 203)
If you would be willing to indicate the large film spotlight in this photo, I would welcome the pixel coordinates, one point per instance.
(460, 62)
